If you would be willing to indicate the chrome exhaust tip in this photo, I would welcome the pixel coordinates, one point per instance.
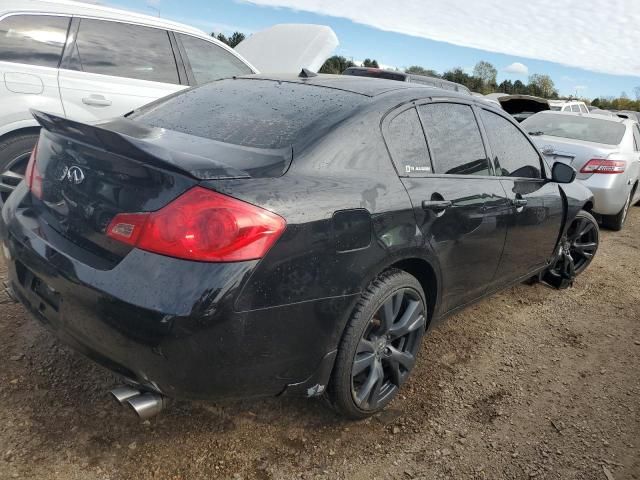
(146, 405)
(124, 393)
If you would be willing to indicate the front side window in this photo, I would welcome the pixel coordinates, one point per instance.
(33, 39)
(575, 108)
(407, 145)
(210, 62)
(454, 139)
(124, 50)
(514, 155)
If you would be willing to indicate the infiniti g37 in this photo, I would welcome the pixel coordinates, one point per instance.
(284, 236)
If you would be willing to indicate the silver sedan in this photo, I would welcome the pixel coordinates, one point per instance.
(605, 151)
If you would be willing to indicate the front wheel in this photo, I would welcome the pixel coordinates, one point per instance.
(575, 252)
(379, 347)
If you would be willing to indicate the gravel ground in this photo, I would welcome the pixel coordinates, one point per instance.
(531, 383)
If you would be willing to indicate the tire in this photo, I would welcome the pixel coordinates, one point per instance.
(368, 339)
(578, 248)
(616, 222)
(14, 154)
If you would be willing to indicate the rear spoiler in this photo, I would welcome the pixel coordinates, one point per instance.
(167, 149)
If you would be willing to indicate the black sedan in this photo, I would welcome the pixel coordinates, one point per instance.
(283, 236)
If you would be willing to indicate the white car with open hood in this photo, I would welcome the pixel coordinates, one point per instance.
(90, 62)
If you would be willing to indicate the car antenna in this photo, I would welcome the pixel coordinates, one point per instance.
(306, 73)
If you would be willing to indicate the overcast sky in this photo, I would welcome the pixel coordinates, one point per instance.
(589, 46)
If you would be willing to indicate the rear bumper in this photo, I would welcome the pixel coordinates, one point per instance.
(610, 192)
(170, 324)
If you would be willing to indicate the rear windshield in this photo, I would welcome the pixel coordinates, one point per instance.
(575, 127)
(554, 108)
(374, 73)
(252, 113)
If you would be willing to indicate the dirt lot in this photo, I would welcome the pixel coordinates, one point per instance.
(531, 383)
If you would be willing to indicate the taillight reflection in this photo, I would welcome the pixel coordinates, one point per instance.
(32, 174)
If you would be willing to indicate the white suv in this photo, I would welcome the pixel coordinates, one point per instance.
(568, 106)
(90, 62)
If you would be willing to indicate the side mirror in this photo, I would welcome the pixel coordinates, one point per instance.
(562, 173)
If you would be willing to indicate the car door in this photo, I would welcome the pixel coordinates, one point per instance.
(636, 162)
(456, 199)
(111, 68)
(30, 51)
(536, 204)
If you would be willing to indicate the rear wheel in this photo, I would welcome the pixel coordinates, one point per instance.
(576, 251)
(14, 156)
(379, 347)
(616, 222)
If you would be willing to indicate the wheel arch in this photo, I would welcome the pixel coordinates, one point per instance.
(425, 273)
(28, 130)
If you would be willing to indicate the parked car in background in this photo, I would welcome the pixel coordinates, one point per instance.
(520, 106)
(605, 152)
(630, 114)
(568, 106)
(236, 240)
(90, 62)
(598, 111)
(407, 77)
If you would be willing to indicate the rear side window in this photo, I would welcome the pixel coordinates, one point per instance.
(407, 145)
(124, 50)
(514, 155)
(210, 62)
(33, 39)
(454, 139)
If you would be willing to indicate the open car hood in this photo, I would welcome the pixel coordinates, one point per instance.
(514, 104)
(287, 48)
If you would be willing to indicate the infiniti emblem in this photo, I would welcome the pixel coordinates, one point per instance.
(75, 175)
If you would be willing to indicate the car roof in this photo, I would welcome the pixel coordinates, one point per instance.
(71, 7)
(366, 86)
(564, 102)
(377, 69)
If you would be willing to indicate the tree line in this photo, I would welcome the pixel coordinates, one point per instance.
(482, 79)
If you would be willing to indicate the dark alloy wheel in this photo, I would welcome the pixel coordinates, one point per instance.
(380, 346)
(576, 251)
(14, 156)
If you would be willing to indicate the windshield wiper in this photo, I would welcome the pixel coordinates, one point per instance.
(536, 134)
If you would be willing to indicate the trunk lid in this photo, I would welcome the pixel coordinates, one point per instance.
(90, 173)
(572, 152)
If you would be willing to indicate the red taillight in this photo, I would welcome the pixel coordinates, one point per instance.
(201, 225)
(600, 165)
(32, 175)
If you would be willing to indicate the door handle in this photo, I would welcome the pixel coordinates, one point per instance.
(436, 205)
(96, 101)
